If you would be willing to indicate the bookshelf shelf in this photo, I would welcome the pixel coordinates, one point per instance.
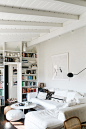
(29, 87)
(11, 51)
(13, 56)
(29, 73)
(30, 80)
(2, 96)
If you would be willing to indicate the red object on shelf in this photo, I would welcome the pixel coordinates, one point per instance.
(34, 90)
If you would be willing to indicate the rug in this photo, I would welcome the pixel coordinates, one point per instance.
(18, 125)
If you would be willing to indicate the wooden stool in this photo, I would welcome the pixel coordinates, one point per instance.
(6, 109)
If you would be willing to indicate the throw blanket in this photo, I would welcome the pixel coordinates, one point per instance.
(78, 110)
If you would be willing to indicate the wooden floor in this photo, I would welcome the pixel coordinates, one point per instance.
(4, 124)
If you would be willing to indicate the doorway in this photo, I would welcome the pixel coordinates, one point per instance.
(6, 83)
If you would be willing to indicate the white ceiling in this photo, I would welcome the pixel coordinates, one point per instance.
(38, 18)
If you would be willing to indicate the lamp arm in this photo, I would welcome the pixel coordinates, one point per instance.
(80, 71)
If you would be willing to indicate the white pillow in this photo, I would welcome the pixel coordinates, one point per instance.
(70, 103)
(42, 95)
(70, 96)
(61, 93)
(77, 96)
(81, 100)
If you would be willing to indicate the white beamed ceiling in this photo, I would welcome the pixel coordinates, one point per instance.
(65, 14)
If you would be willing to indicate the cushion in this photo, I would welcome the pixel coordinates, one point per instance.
(14, 115)
(70, 96)
(70, 103)
(49, 95)
(81, 100)
(61, 93)
(77, 96)
(42, 95)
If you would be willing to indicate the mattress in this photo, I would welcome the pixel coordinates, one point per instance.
(47, 104)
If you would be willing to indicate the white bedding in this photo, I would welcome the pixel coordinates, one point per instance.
(47, 104)
(50, 119)
(45, 119)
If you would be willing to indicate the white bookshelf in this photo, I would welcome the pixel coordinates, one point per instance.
(2, 89)
(9, 51)
(29, 56)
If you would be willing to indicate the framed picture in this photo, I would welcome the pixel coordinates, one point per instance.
(14, 70)
(14, 81)
(41, 85)
(60, 66)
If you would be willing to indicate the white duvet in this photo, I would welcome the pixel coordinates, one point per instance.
(47, 104)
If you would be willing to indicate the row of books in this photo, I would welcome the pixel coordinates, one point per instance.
(1, 85)
(25, 83)
(28, 90)
(1, 101)
(1, 92)
(31, 71)
(32, 55)
(28, 77)
(24, 61)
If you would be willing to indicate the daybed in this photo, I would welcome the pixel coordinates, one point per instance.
(53, 118)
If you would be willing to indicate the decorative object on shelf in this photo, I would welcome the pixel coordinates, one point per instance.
(24, 47)
(34, 66)
(5, 53)
(18, 54)
(8, 54)
(17, 49)
(60, 66)
(71, 74)
(41, 85)
(31, 55)
(13, 54)
(17, 60)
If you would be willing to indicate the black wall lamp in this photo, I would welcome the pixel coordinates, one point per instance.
(71, 74)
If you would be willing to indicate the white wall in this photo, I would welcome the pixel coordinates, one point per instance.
(73, 43)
